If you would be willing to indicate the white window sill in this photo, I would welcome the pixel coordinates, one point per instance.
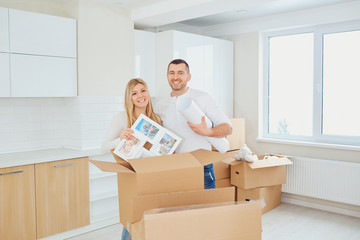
(310, 144)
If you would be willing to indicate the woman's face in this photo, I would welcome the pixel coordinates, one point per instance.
(140, 96)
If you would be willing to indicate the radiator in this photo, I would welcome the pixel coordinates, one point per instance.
(337, 181)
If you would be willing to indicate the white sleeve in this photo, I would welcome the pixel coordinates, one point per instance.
(112, 137)
(213, 110)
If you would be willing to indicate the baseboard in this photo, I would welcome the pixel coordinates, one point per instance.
(82, 230)
(323, 205)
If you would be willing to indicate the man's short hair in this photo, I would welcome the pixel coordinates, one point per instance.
(179, 61)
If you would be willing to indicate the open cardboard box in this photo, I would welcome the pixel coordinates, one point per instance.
(158, 175)
(261, 173)
(271, 196)
(237, 138)
(226, 221)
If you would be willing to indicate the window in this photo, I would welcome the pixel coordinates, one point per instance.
(312, 85)
(341, 83)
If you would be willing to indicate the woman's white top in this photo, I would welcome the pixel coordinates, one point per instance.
(112, 137)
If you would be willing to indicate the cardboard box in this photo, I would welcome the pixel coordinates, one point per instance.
(222, 183)
(221, 170)
(229, 221)
(175, 199)
(237, 138)
(261, 173)
(154, 175)
(270, 196)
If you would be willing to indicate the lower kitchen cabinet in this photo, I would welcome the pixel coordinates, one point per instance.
(17, 203)
(62, 196)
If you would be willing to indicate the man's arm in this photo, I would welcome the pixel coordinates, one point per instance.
(219, 131)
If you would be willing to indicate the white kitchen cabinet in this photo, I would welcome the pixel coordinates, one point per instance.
(42, 76)
(4, 30)
(145, 58)
(40, 34)
(37, 55)
(4, 75)
(210, 61)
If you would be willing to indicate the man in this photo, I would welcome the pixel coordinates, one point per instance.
(193, 135)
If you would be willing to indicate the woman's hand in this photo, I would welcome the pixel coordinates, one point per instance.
(127, 134)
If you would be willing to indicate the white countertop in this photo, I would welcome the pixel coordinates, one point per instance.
(46, 155)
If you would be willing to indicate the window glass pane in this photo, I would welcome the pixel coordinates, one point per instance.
(291, 84)
(341, 83)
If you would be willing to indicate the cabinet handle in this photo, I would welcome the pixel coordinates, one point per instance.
(64, 165)
(11, 172)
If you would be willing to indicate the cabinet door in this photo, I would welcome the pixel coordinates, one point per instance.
(62, 196)
(17, 203)
(4, 30)
(145, 58)
(40, 34)
(211, 65)
(4, 75)
(222, 73)
(40, 76)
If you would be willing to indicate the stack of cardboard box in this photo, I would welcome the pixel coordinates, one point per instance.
(163, 197)
(260, 180)
(177, 180)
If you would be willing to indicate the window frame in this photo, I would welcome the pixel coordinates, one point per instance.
(317, 136)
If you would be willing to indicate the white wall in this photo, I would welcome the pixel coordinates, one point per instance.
(39, 123)
(105, 49)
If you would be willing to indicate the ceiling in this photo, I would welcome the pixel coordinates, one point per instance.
(205, 13)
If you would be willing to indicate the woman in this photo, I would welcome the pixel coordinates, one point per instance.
(137, 101)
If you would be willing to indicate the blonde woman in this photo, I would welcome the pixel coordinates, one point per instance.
(137, 101)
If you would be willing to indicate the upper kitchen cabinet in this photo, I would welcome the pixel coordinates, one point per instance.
(42, 76)
(210, 61)
(4, 30)
(4, 75)
(37, 55)
(145, 58)
(40, 34)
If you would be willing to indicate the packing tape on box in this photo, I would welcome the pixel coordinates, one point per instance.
(192, 113)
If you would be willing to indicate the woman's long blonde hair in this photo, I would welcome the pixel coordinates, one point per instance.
(130, 108)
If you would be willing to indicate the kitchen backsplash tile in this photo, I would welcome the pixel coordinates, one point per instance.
(38, 123)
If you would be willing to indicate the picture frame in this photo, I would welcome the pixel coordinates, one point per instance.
(128, 149)
(149, 139)
(163, 141)
(167, 144)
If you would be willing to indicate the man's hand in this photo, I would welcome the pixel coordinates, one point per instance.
(201, 128)
(219, 131)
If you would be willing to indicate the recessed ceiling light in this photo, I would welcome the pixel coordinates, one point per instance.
(118, 2)
(242, 11)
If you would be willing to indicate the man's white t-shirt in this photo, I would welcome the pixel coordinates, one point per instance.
(175, 122)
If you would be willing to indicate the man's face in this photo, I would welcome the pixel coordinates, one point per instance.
(178, 76)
